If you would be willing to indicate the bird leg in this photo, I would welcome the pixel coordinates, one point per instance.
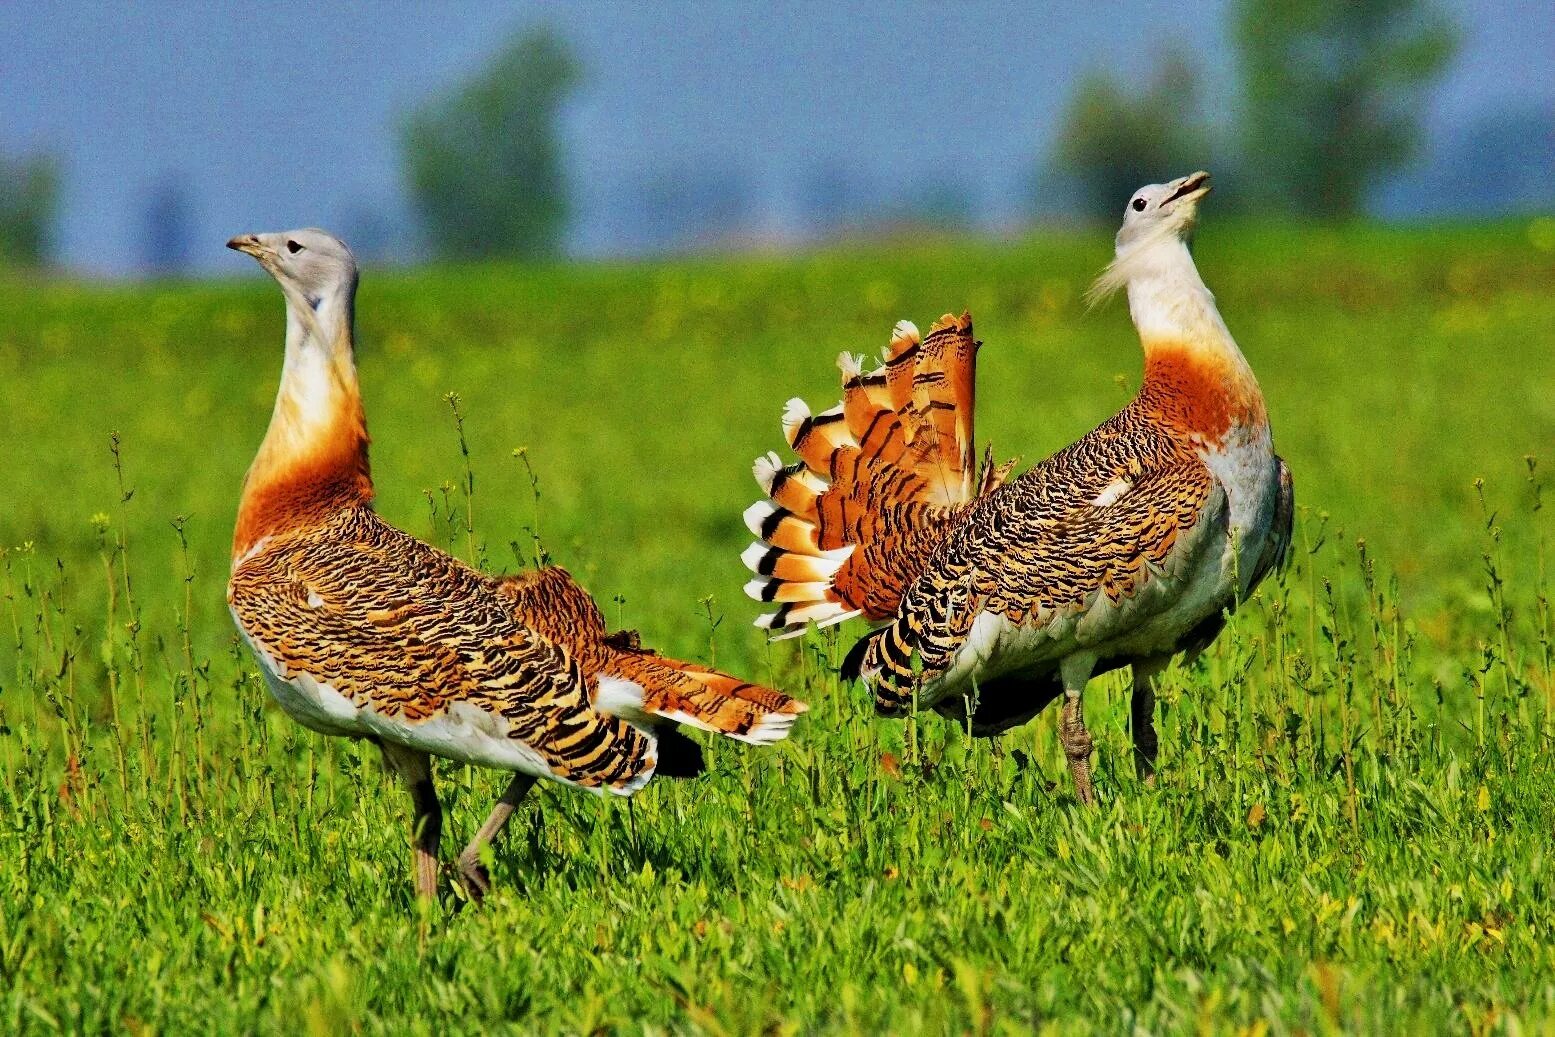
(1077, 747)
(429, 832)
(415, 770)
(1142, 718)
(477, 879)
(1071, 726)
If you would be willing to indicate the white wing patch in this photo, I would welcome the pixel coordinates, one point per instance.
(619, 697)
(1111, 492)
(259, 545)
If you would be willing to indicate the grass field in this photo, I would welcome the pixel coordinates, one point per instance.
(1354, 824)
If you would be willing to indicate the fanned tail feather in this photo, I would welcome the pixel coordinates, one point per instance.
(849, 526)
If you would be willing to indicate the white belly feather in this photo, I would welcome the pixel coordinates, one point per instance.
(1245, 466)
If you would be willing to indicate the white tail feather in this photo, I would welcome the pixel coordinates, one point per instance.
(804, 568)
(773, 727)
(753, 555)
(811, 613)
(786, 591)
(765, 469)
(795, 411)
(790, 631)
(757, 514)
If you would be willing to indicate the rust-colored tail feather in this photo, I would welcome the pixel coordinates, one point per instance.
(637, 684)
(846, 529)
(647, 686)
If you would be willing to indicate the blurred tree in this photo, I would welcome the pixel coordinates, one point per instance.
(484, 161)
(1332, 92)
(937, 201)
(167, 226)
(29, 204)
(1115, 138)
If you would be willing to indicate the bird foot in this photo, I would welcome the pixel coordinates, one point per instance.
(475, 879)
(1083, 789)
(1077, 744)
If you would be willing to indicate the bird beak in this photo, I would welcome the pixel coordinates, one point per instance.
(248, 243)
(1191, 187)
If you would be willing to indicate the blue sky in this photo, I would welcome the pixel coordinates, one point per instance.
(279, 114)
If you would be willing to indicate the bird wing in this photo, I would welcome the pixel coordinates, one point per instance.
(1109, 546)
(553, 604)
(1067, 548)
(408, 636)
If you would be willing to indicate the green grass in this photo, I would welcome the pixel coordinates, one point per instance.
(1353, 825)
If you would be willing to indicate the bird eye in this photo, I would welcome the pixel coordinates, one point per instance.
(1139, 205)
(293, 247)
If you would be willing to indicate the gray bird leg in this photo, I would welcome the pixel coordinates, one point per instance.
(1076, 739)
(1142, 716)
(476, 878)
(415, 770)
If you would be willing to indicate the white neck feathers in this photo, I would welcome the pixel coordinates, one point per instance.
(318, 376)
(317, 428)
(1167, 298)
(314, 455)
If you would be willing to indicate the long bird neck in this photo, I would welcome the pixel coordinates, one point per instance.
(1196, 379)
(313, 460)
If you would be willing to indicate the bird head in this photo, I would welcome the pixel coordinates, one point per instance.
(312, 267)
(1157, 215)
(1163, 210)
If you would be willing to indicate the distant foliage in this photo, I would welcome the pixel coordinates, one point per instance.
(29, 203)
(1115, 137)
(167, 227)
(940, 200)
(1332, 95)
(484, 161)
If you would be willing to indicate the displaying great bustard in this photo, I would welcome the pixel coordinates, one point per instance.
(1125, 548)
(364, 631)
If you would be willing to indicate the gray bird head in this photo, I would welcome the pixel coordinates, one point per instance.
(312, 267)
(1163, 210)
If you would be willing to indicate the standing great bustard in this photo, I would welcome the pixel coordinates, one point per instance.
(1125, 548)
(364, 631)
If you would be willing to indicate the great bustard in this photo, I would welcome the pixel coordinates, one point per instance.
(1125, 548)
(364, 631)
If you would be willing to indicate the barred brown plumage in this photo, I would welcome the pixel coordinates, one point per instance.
(364, 631)
(1125, 548)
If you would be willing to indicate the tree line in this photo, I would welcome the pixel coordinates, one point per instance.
(1329, 100)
